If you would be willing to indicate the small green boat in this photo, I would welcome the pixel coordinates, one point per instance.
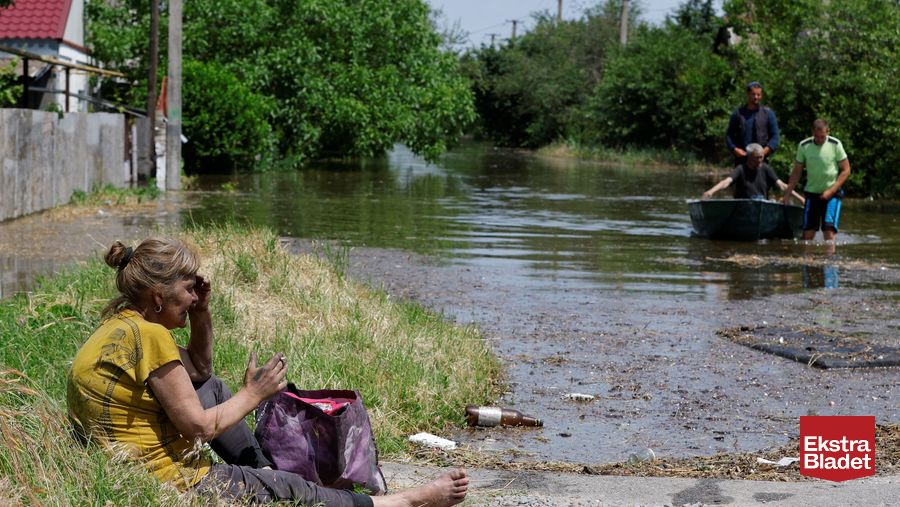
(745, 219)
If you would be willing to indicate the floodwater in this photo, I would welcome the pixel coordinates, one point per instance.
(585, 278)
(543, 222)
(44, 243)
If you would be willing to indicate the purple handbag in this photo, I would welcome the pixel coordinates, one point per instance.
(337, 451)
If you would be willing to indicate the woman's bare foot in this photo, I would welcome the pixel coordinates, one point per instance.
(448, 489)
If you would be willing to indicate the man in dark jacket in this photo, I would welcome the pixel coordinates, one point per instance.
(752, 123)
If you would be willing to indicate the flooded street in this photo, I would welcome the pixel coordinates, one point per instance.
(584, 278)
(662, 377)
(45, 243)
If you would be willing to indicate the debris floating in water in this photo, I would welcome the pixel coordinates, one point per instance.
(645, 454)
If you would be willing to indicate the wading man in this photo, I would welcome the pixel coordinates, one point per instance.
(752, 123)
(827, 168)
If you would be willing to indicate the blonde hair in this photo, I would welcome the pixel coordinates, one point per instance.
(156, 264)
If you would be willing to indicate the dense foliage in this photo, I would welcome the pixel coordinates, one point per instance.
(10, 87)
(328, 77)
(672, 87)
(529, 92)
(664, 90)
(236, 132)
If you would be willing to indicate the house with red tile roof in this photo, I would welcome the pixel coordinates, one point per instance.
(53, 29)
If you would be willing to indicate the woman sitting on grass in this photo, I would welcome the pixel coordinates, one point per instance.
(133, 389)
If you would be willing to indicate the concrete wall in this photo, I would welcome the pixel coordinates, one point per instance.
(44, 158)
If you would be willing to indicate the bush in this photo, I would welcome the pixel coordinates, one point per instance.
(226, 123)
(667, 90)
(10, 87)
(529, 91)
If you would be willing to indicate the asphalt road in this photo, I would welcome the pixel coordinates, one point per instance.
(494, 488)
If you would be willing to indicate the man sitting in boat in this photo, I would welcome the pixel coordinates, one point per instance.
(752, 179)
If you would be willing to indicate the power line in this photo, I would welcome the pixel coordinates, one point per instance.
(487, 27)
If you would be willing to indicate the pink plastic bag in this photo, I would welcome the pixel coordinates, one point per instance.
(328, 405)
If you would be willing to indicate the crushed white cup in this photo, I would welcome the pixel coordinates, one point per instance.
(429, 440)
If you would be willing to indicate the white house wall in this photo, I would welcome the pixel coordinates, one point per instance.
(78, 80)
(74, 33)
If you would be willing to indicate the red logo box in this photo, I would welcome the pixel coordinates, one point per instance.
(837, 448)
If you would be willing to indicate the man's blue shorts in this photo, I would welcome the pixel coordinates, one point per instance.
(822, 214)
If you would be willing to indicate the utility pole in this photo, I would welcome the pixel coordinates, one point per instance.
(492, 38)
(559, 11)
(514, 23)
(623, 24)
(173, 99)
(26, 76)
(151, 84)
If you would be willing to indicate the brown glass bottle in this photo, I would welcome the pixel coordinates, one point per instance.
(494, 416)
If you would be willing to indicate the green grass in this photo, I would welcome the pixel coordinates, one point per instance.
(415, 371)
(336, 255)
(109, 195)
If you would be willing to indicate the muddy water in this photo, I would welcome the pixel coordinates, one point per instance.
(585, 278)
(45, 243)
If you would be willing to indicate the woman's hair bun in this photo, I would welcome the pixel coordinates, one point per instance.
(116, 254)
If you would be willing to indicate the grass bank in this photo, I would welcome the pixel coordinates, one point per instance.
(414, 370)
(627, 158)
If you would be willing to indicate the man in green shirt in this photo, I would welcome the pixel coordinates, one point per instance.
(827, 168)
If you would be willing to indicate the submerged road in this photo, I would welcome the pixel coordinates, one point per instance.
(662, 376)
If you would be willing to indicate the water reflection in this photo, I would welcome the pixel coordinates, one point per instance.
(818, 277)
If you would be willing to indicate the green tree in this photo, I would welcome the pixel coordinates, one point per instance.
(343, 78)
(663, 90)
(530, 91)
(117, 34)
(356, 77)
(835, 60)
(697, 16)
(232, 132)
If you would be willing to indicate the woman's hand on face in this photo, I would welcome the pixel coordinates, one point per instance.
(268, 379)
(203, 289)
